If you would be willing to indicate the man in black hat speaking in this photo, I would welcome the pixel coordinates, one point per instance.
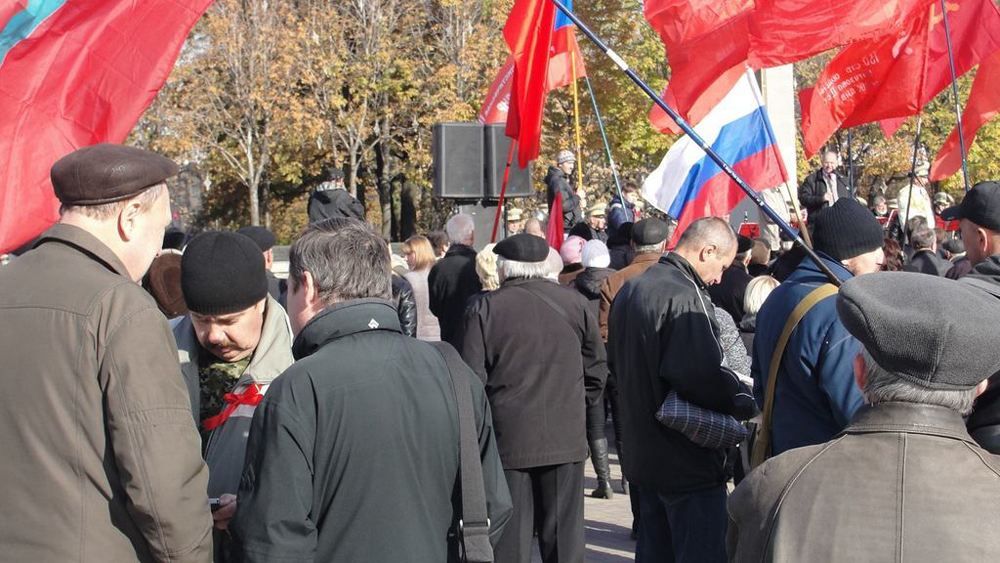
(904, 481)
(104, 459)
(537, 348)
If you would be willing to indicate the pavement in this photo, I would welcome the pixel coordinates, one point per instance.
(608, 523)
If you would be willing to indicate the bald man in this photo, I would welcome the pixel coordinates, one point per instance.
(663, 337)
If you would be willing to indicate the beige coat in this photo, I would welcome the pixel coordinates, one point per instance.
(903, 482)
(102, 456)
(613, 283)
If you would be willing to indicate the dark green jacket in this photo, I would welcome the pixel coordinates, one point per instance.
(353, 454)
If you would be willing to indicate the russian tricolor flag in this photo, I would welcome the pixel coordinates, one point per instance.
(688, 185)
(74, 73)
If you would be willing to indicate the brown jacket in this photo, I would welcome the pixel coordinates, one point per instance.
(903, 482)
(615, 281)
(103, 458)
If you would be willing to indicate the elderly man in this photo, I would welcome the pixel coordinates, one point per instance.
(597, 221)
(354, 451)
(904, 481)
(662, 337)
(979, 213)
(814, 395)
(232, 345)
(558, 180)
(515, 221)
(825, 186)
(453, 279)
(103, 460)
(537, 347)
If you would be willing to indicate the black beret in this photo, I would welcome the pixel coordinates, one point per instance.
(523, 248)
(931, 331)
(107, 173)
(981, 206)
(261, 235)
(743, 244)
(650, 231)
(222, 273)
(846, 230)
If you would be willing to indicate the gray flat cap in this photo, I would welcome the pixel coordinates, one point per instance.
(933, 332)
(106, 173)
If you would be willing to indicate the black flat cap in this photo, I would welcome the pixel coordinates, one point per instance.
(264, 238)
(650, 231)
(106, 173)
(933, 332)
(523, 248)
(981, 206)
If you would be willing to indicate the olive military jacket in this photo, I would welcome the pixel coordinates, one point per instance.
(102, 457)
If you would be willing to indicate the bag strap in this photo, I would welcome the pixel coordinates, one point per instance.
(554, 306)
(474, 522)
(762, 445)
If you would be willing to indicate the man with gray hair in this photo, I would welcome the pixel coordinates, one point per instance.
(353, 453)
(537, 348)
(453, 279)
(904, 481)
(663, 336)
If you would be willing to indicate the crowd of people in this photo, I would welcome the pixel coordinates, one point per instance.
(168, 398)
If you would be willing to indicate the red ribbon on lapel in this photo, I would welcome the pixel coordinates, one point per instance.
(250, 396)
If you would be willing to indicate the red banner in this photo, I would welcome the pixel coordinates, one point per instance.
(528, 33)
(786, 31)
(497, 100)
(896, 76)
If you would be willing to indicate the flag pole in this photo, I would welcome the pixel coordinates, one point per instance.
(503, 190)
(696, 138)
(576, 125)
(850, 163)
(954, 94)
(604, 137)
(913, 173)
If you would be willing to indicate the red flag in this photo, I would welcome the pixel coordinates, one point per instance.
(895, 76)
(891, 125)
(983, 105)
(497, 100)
(83, 73)
(786, 31)
(528, 33)
(554, 230)
(706, 43)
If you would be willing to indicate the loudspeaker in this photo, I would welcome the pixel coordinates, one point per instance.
(458, 160)
(497, 144)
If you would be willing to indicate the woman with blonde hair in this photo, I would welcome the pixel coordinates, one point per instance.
(757, 292)
(419, 255)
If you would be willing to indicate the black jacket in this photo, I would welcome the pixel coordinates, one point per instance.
(728, 294)
(927, 262)
(406, 305)
(663, 336)
(984, 423)
(541, 367)
(589, 283)
(333, 202)
(812, 191)
(450, 284)
(557, 182)
(353, 454)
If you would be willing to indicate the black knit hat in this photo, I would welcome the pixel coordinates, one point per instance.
(846, 230)
(933, 332)
(222, 273)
